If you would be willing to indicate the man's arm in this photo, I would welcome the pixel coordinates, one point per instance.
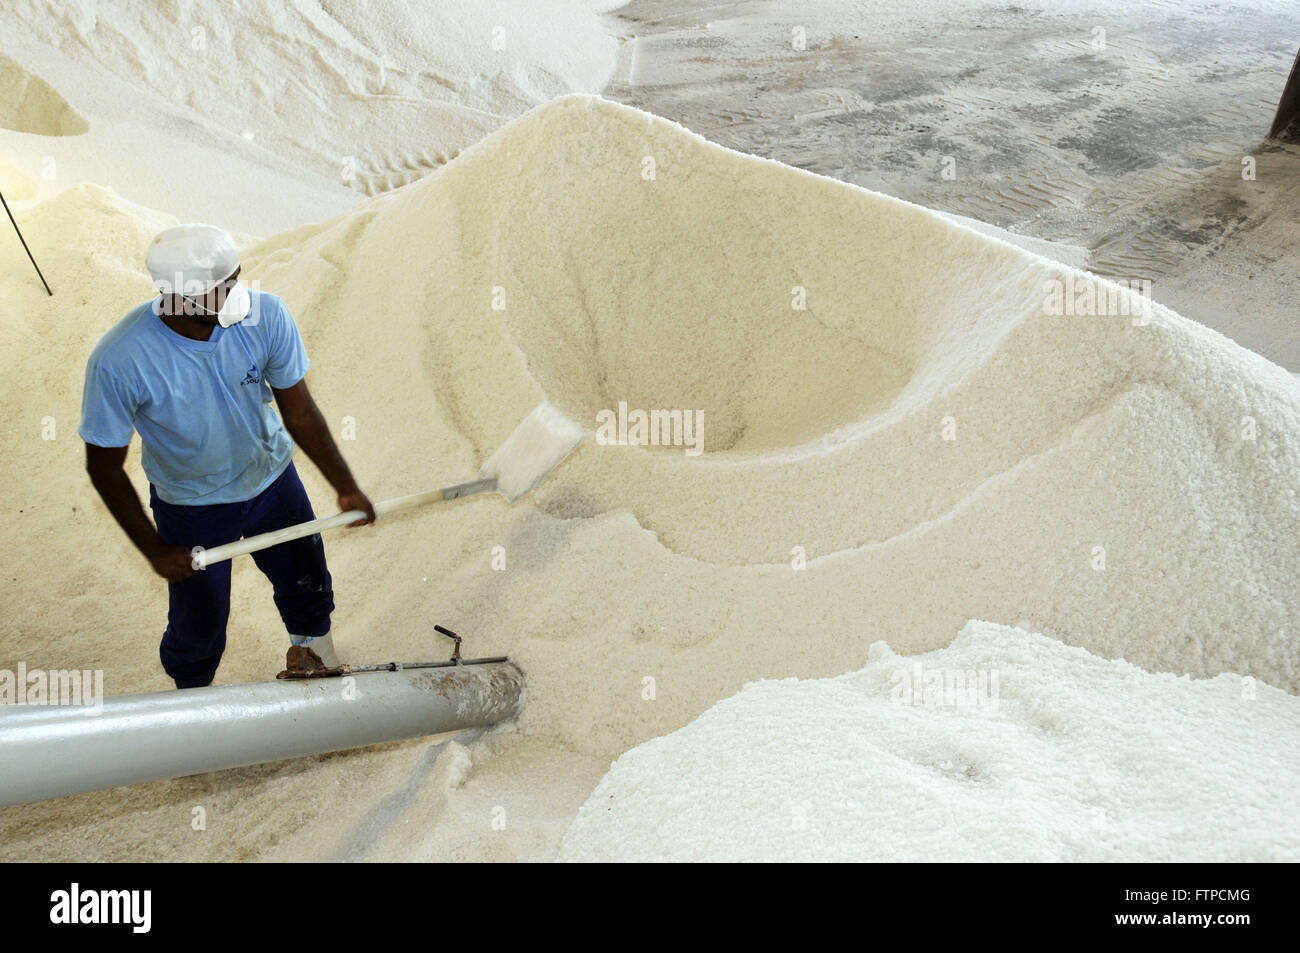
(104, 464)
(306, 425)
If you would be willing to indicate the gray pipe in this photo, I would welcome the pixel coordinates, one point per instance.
(53, 751)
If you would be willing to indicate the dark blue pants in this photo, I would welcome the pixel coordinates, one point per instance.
(199, 606)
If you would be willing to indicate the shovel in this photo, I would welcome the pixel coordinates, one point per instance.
(536, 447)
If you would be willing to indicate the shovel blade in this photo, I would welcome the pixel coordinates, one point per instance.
(536, 447)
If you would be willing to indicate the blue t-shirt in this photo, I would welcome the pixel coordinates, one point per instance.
(203, 408)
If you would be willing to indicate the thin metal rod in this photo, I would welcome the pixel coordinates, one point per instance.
(25, 248)
(402, 666)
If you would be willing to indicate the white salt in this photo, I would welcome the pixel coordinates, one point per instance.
(1005, 746)
(898, 439)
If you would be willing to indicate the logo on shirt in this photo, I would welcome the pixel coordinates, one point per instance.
(251, 376)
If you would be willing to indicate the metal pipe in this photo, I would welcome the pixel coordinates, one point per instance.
(53, 751)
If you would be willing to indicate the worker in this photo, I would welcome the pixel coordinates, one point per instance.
(194, 371)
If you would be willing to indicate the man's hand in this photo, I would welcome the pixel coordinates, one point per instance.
(173, 563)
(356, 500)
(104, 464)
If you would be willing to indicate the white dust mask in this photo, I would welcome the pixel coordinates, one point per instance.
(234, 309)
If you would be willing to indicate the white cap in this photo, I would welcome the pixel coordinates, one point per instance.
(191, 259)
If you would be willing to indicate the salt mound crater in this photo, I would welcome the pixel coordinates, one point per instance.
(936, 445)
(1005, 746)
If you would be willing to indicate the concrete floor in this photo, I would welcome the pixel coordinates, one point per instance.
(1132, 148)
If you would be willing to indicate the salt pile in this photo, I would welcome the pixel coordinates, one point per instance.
(897, 439)
(267, 114)
(1004, 746)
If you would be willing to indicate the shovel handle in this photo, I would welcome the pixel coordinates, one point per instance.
(251, 544)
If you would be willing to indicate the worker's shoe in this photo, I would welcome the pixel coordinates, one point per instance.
(301, 661)
(323, 646)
